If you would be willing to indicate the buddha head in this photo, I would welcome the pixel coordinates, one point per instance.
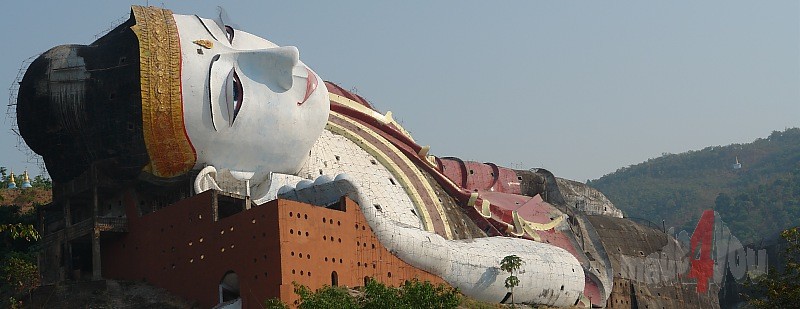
(163, 94)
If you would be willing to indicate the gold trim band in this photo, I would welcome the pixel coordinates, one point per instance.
(171, 153)
(396, 171)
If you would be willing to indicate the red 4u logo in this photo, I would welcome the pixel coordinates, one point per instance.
(702, 266)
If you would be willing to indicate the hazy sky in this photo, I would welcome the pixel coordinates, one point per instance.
(579, 88)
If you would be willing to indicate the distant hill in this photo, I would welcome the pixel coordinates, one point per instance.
(26, 199)
(756, 200)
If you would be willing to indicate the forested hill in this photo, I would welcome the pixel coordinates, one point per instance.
(756, 200)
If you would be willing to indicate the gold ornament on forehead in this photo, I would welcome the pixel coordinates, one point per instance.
(204, 43)
(171, 153)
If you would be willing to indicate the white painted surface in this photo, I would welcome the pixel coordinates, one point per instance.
(373, 178)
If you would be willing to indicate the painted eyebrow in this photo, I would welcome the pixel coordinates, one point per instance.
(206, 27)
(210, 101)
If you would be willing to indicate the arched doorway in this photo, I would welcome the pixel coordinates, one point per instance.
(229, 287)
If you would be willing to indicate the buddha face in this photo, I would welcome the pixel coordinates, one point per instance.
(200, 94)
(249, 105)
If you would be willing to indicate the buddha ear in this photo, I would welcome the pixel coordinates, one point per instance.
(271, 67)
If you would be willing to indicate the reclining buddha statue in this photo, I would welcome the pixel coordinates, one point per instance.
(167, 96)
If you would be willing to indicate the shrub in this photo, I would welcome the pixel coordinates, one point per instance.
(274, 303)
(412, 294)
(324, 298)
(423, 294)
(779, 288)
(20, 273)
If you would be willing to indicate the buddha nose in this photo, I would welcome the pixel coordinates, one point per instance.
(271, 66)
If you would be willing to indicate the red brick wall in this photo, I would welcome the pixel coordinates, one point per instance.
(182, 249)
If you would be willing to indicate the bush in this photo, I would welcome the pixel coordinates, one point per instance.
(20, 273)
(423, 294)
(324, 297)
(413, 294)
(274, 303)
(779, 288)
(377, 295)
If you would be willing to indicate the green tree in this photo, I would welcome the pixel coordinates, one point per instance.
(42, 182)
(511, 264)
(424, 294)
(18, 268)
(780, 288)
(275, 303)
(412, 294)
(324, 297)
(20, 230)
(20, 273)
(377, 295)
(723, 202)
(3, 177)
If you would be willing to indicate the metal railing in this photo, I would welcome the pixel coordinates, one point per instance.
(112, 224)
(85, 227)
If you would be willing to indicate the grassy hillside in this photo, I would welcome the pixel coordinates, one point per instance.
(25, 199)
(760, 198)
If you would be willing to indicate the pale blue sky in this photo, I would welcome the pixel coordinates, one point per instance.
(579, 88)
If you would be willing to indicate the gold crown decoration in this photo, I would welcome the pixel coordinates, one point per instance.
(171, 153)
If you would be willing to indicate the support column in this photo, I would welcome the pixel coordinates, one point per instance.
(60, 272)
(96, 269)
(247, 196)
(67, 213)
(66, 248)
(66, 256)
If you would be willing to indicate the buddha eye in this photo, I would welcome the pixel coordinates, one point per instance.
(238, 96)
(229, 33)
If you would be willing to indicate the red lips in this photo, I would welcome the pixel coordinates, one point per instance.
(311, 85)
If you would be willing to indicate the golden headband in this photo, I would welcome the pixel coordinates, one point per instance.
(171, 153)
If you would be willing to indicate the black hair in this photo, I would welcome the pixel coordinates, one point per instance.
(80, 105)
